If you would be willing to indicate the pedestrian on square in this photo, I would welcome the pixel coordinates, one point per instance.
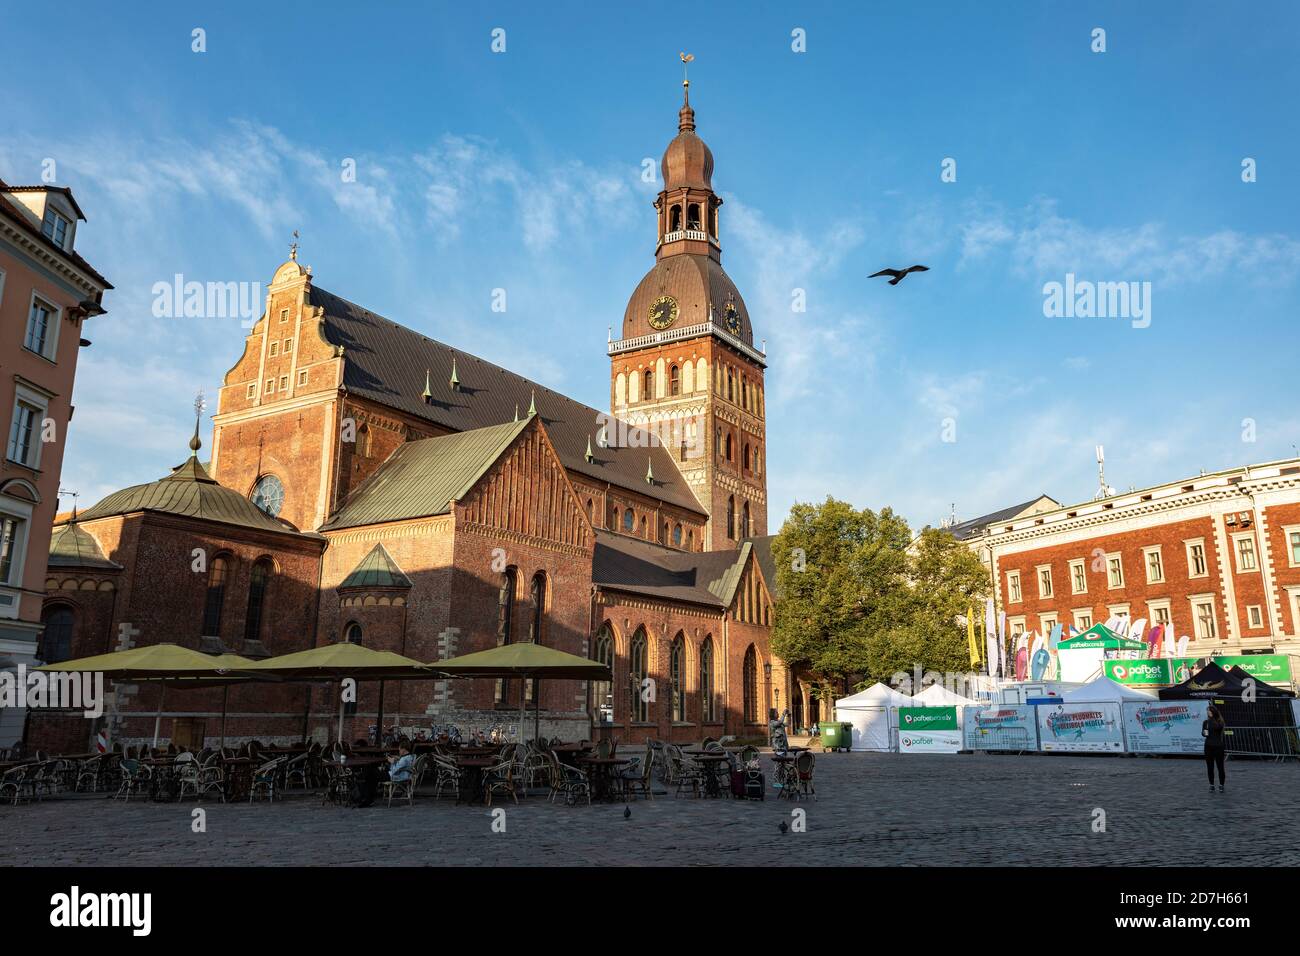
(1212, 731)
(776, 731)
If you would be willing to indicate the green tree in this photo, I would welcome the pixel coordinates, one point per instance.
(861, 596)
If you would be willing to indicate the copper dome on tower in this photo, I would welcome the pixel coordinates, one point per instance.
(687, 160)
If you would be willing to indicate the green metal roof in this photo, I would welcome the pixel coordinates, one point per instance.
(191, 492)
(376, 570)
(72, 546)
(422, 478)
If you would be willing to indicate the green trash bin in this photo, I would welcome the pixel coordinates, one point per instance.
(831, 733)
(846, 737)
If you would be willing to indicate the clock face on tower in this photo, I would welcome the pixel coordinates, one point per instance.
(732, 315)
(663, 312)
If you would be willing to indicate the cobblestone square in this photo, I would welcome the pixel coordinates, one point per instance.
(873, 809)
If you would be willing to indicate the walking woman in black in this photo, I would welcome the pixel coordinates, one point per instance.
(1212, 731)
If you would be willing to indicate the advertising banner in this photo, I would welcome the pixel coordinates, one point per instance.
(1272, 669)
(928, 730)
(1091, 728)
(1139, 673)
(1165, 726)
(1010, 727)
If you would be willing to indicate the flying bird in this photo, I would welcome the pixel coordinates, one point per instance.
(897, 274)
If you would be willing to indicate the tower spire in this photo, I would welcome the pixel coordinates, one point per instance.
(686, 117)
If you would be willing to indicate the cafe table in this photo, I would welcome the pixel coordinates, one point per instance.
(602, 775)
(471, 779)
(713, 764)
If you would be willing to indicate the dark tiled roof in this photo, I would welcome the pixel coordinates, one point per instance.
(766, 561)
(423, 477)
(624, 563)
(376, 570)
(191, 492)
(968, 529)
(10, 211)
(386, 362)
(72, 546)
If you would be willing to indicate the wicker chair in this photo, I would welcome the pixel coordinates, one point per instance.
(637, 776)
(266, 780)
(13, 784)
(136, 778)
(686, 773)
(568, 781)
(801, 780)
(446, 775)
(500, 778)
(406, 788)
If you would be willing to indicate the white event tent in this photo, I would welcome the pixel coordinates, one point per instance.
(1103, 690)
(870, 714)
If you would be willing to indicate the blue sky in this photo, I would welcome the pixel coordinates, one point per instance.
(521, 170)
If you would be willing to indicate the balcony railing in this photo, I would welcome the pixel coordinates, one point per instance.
(687, 332)
(697, 234)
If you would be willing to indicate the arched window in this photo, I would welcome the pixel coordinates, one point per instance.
(644, 527)
(506, 623)
(363, 442)
(677, 677)
(690, 540)
(639, 706)
(56, 639)
(591, 510)
(751, 686)
(258, 580)
(674, 218)
(746, 458)
(649, 378)
(731, 387)
(708, 710)
(353, 633)
(629, 521)
(602, 696)
(537, 597)
(693, 220)
(215, 597)
(663, 537)
(677, 535)
(731, 516)
(713, 221)
(727, 446)
(744, 520)
(674, 381)
(614, 523)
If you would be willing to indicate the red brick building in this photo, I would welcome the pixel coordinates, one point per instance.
(371, 484)
(1218, 554)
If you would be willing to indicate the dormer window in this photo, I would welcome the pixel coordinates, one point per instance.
(57, 228)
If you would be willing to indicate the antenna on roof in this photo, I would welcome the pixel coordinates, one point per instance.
(63, 493)
(1103, 490)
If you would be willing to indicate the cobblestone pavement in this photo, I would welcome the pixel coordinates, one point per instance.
(874, 809)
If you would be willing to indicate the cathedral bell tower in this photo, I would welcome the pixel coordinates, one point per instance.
(685, 367)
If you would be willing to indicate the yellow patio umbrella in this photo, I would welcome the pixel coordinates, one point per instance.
(331, 662)
(162, 663)
(526, 660)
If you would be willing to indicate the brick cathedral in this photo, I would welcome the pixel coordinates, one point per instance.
(367, 483)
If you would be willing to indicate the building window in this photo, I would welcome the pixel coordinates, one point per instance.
(708, 708)
(537, 598)
(1293, 547)
(1013, 587)
(674, 381)
(258, 580)
(215, 598)
(1196, 559)
(41, 328)
(676, 677)
(1082, 620)
(284, 315)
(1078, 577)
(10, 529)
(24, 434)
(55, 228)
(639, 704)
(602, 697)
(353, 633)
(744, 520)
(726, 444)
(1046, 622)
(1159, 613)
(1015, 625)
(1114, 571)
(251, 392)
(284, 383)
(677, 535)
(506, 623)
(1203, 619)
(731, 516)
(268, 495)
(1246, 553)
(1155, 566)
(648, 391)
(1255, 616)
(751, 686)
(56, 639)
(288, 346)
(629, 521)
(270, 386)
(275, 349)
(302, 378)
(1045, 582)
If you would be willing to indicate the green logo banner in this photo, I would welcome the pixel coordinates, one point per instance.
(1139, 673)
(916, 719)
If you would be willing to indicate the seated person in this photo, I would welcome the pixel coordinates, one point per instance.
(399, 766)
